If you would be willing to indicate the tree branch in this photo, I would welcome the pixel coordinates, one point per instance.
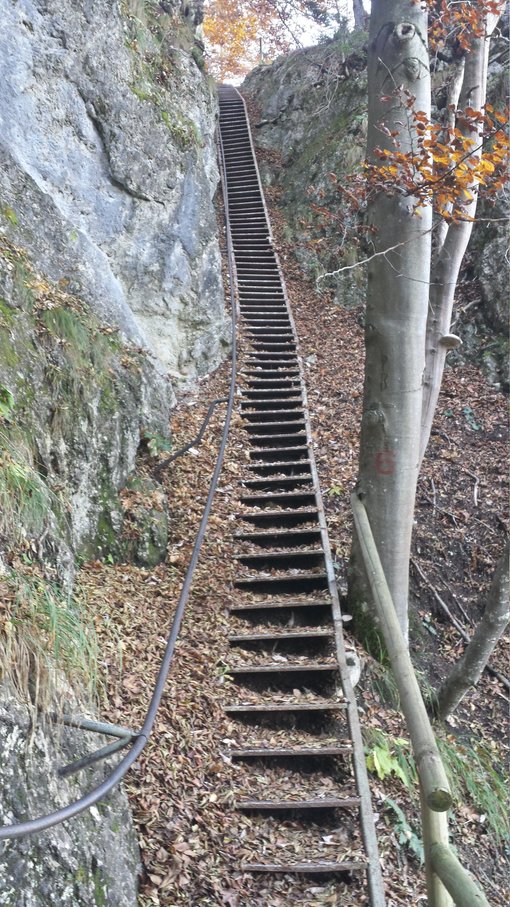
(468, 670)
(458, 626)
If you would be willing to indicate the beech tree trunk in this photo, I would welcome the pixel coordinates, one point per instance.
(454, 240)
(397, 303)
(469, 668)
(358, 13)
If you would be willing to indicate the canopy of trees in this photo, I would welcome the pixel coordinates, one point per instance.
(239, 33)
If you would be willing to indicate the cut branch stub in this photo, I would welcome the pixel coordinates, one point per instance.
(403, 32)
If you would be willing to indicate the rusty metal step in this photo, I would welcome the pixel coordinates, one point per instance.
(282, 560)
(269, 401)
(297, 468)
(284, 499)
(239, 639)
(305, 613)
(287, 752)
(272, 455)
(271, 318)
(322, 867)
(284, 346)
(256, 383)
(279, 618)
(272, 417)
(279, 585)
(278, 518)
(315, 677)
(289, 399)
(284, 440)
(278, 667)
(260, 370)
(278, 708)
(282, 338)
(280, 483)
(281, 604)
(272, 362)
(280, 539)
(274, 422)
(273, 807)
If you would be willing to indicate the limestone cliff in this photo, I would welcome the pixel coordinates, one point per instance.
(108, 166)
(110, 294)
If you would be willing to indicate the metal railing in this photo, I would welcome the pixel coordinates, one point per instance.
(138, 739)
(448, 882)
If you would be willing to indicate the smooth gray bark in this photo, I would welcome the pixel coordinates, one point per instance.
(454, 240)
(397, 298)
(358, 13)
(469, 668)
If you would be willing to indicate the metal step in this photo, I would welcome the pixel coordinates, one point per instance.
(322, 867)
(281, 539)
(279, 484)
(287, 752)
(277, 560)
(274, 807)
(270, 636)
(284, 499)
(301, 467)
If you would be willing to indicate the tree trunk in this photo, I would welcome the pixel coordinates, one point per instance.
(397, 303)
(469, 668)
(358, 13)
(445, 270)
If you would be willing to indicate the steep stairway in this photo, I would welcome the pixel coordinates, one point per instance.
(292, 697)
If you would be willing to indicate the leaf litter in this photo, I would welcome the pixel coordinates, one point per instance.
(182, 787)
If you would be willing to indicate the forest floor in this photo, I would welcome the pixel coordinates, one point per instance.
(181, 788)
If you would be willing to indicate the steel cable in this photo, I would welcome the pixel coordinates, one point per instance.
(21, 829)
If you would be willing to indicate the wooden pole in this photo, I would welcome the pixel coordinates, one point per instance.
(462, 887)
(436, 789)
(434, 828)
(446, 877)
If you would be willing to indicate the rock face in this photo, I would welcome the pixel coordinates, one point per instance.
(107, 167)
(110, 286)
(309, 121)
(310, 115)
(76, 401)
(90, 860)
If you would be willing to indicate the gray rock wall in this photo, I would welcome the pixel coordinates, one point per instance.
(107, 165)
(312, 113)
(91, 860)
(107, 175)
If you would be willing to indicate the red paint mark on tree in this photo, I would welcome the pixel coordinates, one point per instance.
(385, 462)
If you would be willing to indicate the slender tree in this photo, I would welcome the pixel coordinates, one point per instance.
(422, 186)
(358, 13)
(397, 295)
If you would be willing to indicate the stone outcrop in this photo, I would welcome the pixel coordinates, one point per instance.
(108, 167)
(90, 861)
(78, 401)
(110, 293)
(309, 120)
